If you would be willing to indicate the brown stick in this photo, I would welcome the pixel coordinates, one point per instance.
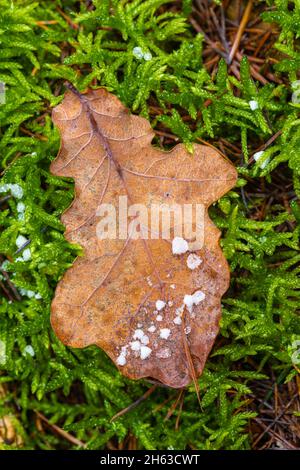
(174, 405)
(191, 366)
(240, 31)
(266, 145)
(11, 285)
(60, 431)
(274, 421)
(134, 404)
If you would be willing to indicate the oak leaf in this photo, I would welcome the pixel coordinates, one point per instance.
(154, 311)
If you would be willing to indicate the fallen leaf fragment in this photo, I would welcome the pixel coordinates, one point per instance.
(127, 295)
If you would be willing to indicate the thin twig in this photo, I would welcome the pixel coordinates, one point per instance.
(266, 145)
(179, 411)
(60, 431)
(11, 285)
(174, 405)
(240, 31)
(278, 417)
(135, 403)
(191, 366)
(207, 39)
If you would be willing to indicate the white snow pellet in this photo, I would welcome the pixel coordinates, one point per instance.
(160, 305)
(198, 296)
(26, 254)
(20, 207)
(257, 156)
(29, 350)
(137, 52)
(187, 330)
(253, 105)
(296, 95)
(193, 261)
(4, 188)
(21, 240)
(177, 321)
(195, 299)
(145, 352)
(151, 329)
(16, 191)
(147, 56)
(159, 318)
(5, 264)
(121, 360)
(135, 345)
(164, 333)
(188, 301)
(179, 310)
(145, 339)
(30, 293)
(295, 85)
(3, 357)
(138, 334)
(179, 246)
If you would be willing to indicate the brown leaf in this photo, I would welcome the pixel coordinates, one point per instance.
(112, 290)
(9, 433)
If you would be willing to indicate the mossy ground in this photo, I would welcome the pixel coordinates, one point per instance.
(186, 80)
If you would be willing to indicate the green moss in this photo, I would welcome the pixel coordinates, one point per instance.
(81, 389)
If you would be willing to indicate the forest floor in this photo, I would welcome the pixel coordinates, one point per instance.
(223, 73)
